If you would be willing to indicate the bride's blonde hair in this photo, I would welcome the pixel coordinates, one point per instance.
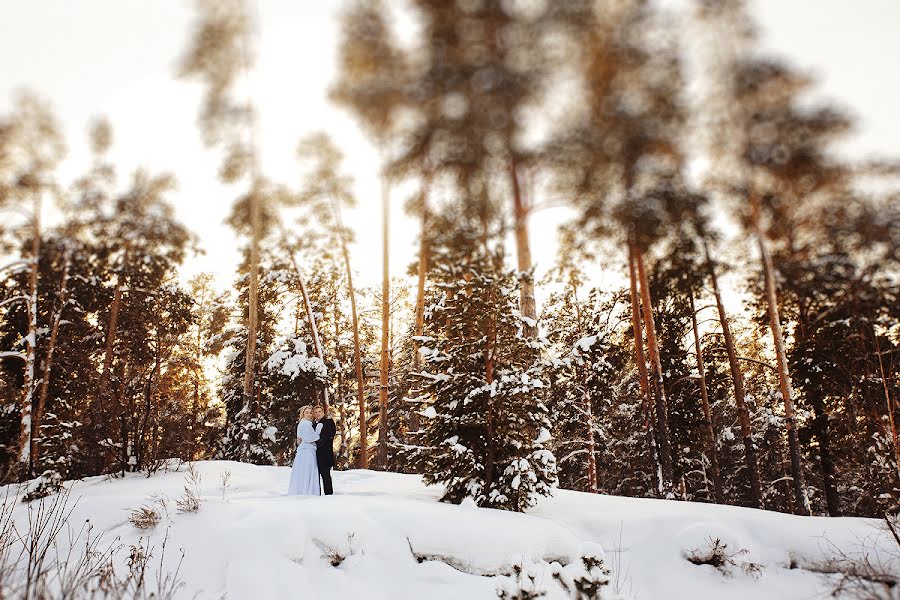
(303, 410)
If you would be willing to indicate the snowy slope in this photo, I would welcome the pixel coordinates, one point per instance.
(396, 541)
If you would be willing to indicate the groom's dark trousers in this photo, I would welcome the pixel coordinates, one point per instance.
(325, 453)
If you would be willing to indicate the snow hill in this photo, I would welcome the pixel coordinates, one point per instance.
(385, 536)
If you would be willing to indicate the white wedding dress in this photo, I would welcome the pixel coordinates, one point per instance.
(305, 472)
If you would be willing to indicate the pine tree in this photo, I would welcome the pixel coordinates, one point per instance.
(30, 147)
(486, 423)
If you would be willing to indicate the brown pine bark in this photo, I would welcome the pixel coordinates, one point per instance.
(310, 317)
(784, 381)
(707, 412)
(527, 303)
(360, 380)
(48, 364)
(111, 332)
(383, 425)
(422, 271)
(662, 411)
(641, 362)
(342, 449)
(737, 381)
(253, 301)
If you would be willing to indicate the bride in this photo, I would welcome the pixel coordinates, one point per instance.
(305, 472)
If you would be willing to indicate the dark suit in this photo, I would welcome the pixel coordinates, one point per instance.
(325, 453)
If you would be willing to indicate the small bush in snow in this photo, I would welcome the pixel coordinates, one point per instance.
(145, 517)
(190, 499)
(521, 586)
(226, 483)
(32, 564)
(334, 556)
(595, 576)
(50, 482)
(718, 555)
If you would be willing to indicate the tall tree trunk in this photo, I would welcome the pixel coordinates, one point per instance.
(527, 303)
(783, 375)
(343, 450)
(360, 380)
(383, 427)
(25, 425)
(422, 271)
(253, 301)
(588, 408)
(124, 450)
(821, 429)
(707, 412)
(662, 411)
(140, 432)
(48, 364)
(490, 337)
(112, 331)
(737, 381)
(641, 361)
(310, 317)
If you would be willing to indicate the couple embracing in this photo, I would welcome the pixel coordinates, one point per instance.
(315, 453)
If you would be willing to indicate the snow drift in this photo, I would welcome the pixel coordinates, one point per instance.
(385, 536)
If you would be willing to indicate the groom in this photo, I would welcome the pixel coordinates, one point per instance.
(325, 449)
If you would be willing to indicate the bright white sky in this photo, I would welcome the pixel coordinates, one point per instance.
(119, 57)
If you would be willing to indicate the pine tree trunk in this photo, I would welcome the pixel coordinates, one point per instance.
(48, 364)
(662, 411)
(707, 412)
(640, 360)
(343, 450)
(383, 425)
(588, 408)
(783, 376)
(527, 302)
(821, 429)
(111, 332)
(125, 450)
(25, 428)
(421, 273)
(490, 337)
(310, 317)
(360, 380)
(737, 381)
(253, 302)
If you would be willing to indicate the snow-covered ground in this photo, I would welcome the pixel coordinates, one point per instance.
(394, 540)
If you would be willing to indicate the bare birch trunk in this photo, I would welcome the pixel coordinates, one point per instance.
(25, 428)
(527, 302)
(48, 364)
